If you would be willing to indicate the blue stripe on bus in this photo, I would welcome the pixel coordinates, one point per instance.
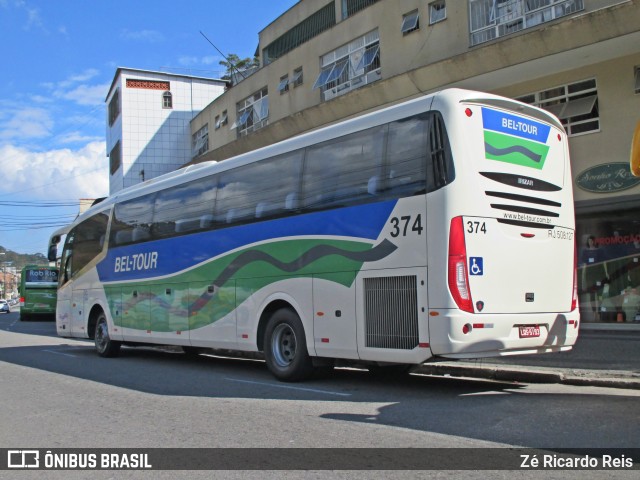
(172, 255)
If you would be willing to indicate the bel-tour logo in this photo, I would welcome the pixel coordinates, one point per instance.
(607, 178)
(512, 139)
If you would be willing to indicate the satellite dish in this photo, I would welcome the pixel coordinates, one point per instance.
(635, 152)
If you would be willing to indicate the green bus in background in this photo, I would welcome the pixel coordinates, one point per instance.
(38, 291)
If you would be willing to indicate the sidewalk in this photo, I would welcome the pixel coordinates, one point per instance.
(606, 355)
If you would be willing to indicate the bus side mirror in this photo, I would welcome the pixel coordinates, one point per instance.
(53, 249)
(53, 253)
(635, 152)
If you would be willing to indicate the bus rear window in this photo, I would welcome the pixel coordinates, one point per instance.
(41, 276)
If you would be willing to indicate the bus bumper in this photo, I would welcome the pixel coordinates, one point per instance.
(455, 334)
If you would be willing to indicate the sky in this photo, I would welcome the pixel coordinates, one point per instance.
(58, 61)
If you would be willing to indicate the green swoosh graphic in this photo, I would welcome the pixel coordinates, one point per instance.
(515, 150)
(498, 152)
(190, 301)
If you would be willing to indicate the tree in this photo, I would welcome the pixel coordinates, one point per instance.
(233, 63)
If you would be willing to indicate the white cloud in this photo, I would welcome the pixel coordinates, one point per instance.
(41, 99)
(150, 36)
(92, 95)
(190, 61)
(56, 174)
(88, 74)
(33, 19)
(78, 137)
(76, 89)
(33, 14)
(26, 123)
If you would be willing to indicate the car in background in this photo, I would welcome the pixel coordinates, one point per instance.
(4, 306)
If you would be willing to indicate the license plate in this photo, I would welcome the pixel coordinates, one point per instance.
(529, 331)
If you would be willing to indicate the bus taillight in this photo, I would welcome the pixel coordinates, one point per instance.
(22, 301)
(458, 276)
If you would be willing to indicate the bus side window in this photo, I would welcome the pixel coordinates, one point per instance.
(245, 196)
(67, 268)
(406, 156)
(181, 209)
(65, 260)
(338, 172)
(84, 243)
(130, 216)
(88, 241)
(439, 161)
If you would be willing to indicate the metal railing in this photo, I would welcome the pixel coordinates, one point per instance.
(491, 19)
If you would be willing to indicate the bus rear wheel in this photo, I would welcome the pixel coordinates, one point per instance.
(285, 347)
(103, 343)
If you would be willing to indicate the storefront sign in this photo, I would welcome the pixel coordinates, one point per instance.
(607, 178)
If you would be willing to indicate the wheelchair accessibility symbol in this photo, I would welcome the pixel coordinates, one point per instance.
(476, 266)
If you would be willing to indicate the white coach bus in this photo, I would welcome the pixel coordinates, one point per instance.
(439, 227)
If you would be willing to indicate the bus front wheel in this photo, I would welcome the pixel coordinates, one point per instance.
(285, 348)
(104, 345)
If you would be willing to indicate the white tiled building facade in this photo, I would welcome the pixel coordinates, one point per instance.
(148, 123)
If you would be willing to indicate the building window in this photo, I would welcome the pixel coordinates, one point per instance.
(283, 86)
(253, 113)
(437, 12)
(637, 77)
(115, 158)
(410, 22)
(224, 118)
(217, 122)
(350, 66)
(167, 100)
(200, 141)
(491, 19)
(114, 107)
(349, 7)
(609, 266)
(297, 77)
(575, 104)
(314, 25)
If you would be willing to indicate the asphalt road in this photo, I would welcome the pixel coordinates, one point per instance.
(57, 393)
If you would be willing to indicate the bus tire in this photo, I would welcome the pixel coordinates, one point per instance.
(191, 351)
(285, 347)
(103, 343)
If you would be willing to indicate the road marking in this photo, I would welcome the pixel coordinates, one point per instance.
(60, 353)
(303, 389)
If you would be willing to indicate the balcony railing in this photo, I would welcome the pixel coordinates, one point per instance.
(491, 19)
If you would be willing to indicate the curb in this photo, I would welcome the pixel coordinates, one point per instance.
(527, 376)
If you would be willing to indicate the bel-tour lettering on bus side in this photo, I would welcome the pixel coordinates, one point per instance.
(136, 262)
(519, 126)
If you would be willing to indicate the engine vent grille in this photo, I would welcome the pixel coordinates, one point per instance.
(391, 312)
